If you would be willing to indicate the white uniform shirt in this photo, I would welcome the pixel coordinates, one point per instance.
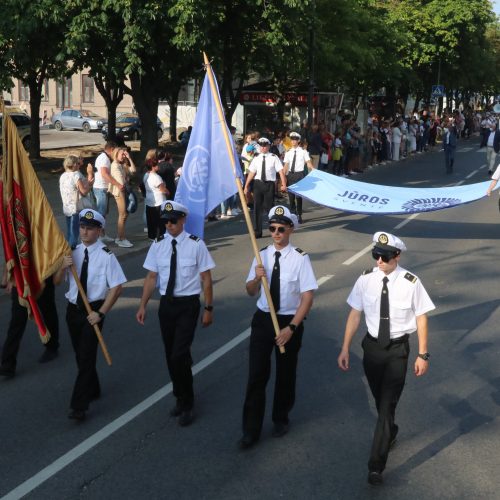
(193, 258)
(300, 160)
(296, 277)
(273, 165)
(104, 272)
(491, 139)
(407, 299)
(101, 161)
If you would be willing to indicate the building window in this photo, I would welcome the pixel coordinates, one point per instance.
(88, 88)
(63, 94)
(45, 90)
(24, 91)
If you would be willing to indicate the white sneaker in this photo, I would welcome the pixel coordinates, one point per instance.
(124, 243)
(106, 239)
(229, 212)
(225, 216)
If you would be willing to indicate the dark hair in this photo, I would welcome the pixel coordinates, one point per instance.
(110, 144)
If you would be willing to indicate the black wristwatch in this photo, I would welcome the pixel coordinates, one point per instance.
(425, 356)
(209, 308)
(292, 327)
(101, 314)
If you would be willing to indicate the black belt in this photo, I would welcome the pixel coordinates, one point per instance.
(265, 182)
(93, 305)
(399, 340)
(183, 298)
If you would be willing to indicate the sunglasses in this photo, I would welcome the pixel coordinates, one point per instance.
(172, 220)
(385, 258)
(280, 229)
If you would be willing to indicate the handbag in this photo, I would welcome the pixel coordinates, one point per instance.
(83, 202)
(131, 200)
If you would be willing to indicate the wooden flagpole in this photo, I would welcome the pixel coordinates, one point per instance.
(243, 200)
(97, 331)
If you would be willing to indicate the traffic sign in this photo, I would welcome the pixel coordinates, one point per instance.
(437, 91)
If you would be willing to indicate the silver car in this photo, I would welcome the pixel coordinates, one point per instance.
(78, 119)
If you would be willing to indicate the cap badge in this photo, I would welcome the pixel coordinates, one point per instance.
(169, 207)
(383, 239)
(89, 215)
(279, 211)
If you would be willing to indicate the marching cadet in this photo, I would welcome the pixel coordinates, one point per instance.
(178, 261)
(263, 168)
(292, 284)
(296, 159)
(102, 278)
(395, 304)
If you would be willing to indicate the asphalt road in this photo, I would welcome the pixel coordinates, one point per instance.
(130, 448)
(52, 139)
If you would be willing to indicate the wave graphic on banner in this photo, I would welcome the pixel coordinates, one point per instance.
(360, 197)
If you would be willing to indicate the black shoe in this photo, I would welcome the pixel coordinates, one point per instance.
(279, 430)
(7, 372)
(175, 411)
(48, 355)
(186, 418)
(77, 415)
(247, 441)
(300, 219)
(375, 478)
(490, 172)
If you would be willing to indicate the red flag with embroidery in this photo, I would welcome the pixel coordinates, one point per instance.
(33, 243)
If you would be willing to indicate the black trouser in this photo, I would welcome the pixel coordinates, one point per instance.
(178, 319)
(295, 202)
(449, 158)
(18, 319)
(263, 200)
(85, 343)
(262, 344)
(385, 370)
(153, 222)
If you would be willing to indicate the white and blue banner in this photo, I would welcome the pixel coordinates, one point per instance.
(360, 197)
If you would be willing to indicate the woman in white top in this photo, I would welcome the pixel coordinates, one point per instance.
(121, 169)
(156, 194)
(412, 132)
(396, 141)
(73, 185)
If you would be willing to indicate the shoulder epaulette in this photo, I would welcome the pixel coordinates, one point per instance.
(193, 237)
(367, 271)
(107, 250)
(411, 277)
(159, 238)
(300, 251)
(263, 248)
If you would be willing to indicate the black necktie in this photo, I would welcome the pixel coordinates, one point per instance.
(173, 271)
(384, 329)
(292, 170)
(83, 278)
(275, 282)
(263, 177)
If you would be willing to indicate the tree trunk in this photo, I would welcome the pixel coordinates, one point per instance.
(173, 100)
(35, 85)
(112, 95)
(146, 102)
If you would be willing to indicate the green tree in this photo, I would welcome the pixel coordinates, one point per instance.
(31, 43)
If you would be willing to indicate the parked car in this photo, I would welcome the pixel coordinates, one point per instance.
(23, 125)
(78, 119)
(129, 127)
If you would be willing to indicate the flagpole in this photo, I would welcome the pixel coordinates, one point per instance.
(98, 333)
(244, 206)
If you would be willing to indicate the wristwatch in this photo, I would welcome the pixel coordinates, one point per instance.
(292, 327)
(425, 356)
(209, 308)
(101, 314)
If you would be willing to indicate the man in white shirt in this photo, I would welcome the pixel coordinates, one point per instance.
(395, 304)
(102, 179)
(492, 146)
(296, 159)
(262, 171)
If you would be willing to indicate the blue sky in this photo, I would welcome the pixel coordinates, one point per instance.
(496, 6)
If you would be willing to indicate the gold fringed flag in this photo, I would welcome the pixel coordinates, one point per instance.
(33, 243)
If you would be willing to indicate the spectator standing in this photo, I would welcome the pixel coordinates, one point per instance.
(101, 182)
(396, 140)
(314, 146)
(156, 195)
(121, 169)
(450, 139)
(167, 171)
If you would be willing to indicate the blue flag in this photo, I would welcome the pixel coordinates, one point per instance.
(361, 197)
(207, 175)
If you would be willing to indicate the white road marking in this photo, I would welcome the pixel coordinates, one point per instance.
(356, 256)
(51, 470)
